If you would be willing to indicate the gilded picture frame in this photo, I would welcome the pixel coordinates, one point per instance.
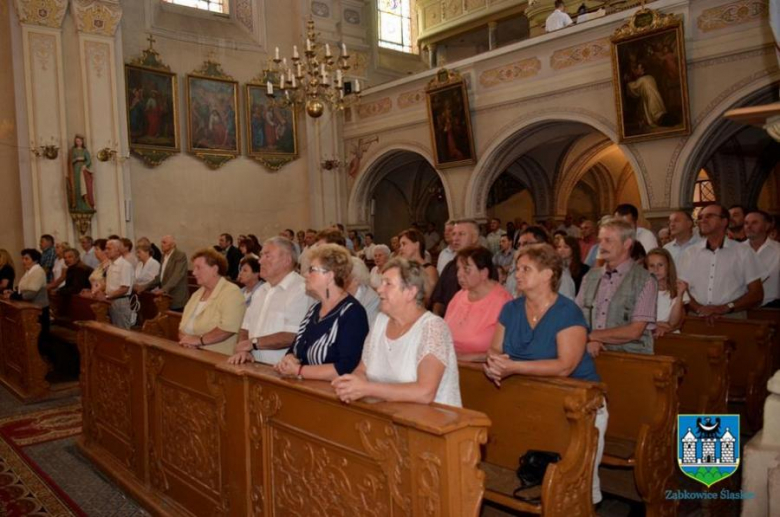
(649, 77)
(213, 133)
(152, 95)
(449, 120)
(272, 131)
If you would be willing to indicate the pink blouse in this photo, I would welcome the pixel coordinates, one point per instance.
(473, 323)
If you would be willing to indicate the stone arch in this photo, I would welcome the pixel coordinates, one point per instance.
(507, 146)
(710, 131)
(378, 165)
(583, 162)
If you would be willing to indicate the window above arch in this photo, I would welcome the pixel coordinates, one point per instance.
(214, 6)
(395, 29)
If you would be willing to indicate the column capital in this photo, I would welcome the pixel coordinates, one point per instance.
(99, 17)
(45, 13)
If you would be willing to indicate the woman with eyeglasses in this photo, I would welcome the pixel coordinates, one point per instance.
(330, 338)
(544, 333)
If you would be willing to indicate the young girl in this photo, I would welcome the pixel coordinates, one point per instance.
(671, 295)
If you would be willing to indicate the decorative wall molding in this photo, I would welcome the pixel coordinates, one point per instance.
(97, 54)
(409, 99)
(372, 109)
(244, 13)
(352, 16)
(320, 9)
(358, 63)
(46, 13)
(42, 48)
(97, 16)
(731, 14)
(739, 56)
(511, 72)
(580, 54)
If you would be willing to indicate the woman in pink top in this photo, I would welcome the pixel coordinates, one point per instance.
(473, 312)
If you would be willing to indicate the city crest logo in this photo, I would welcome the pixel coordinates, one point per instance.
(708, 446)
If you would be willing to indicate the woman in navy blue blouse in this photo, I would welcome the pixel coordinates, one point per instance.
(330, 338)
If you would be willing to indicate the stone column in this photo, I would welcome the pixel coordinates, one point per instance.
(492, 27)
(101, 66)
(327, 187)
(41, 118)
(432, 58)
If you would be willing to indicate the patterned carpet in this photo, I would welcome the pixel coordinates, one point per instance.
(41, 470)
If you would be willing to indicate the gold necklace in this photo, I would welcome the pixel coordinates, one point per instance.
(535, 318)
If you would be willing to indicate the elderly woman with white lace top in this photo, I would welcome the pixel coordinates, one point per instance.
(380, 261)
(409, 355)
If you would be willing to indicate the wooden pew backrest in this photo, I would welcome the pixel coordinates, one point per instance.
(22, 369)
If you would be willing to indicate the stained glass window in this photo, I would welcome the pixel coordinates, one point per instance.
(395, 24)
(703, 193)
(214, 6)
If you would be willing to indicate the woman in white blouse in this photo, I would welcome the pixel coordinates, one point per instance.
(59, 270)
(147, 268)
(409, 355)
(381, 256)
(671, 292)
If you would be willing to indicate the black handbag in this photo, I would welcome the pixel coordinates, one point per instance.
(533, 465)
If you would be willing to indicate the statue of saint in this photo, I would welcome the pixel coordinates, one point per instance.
(81, 196)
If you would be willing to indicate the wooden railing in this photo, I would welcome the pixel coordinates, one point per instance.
(188, 434)
(22, 370)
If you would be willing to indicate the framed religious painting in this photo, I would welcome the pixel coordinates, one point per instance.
(272, 137)
(152, 96)
(212, 115)
(649, 77)
(449, 120)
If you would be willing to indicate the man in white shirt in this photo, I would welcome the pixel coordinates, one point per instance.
(368, 249)
(88, 257)
(278, 306)
(630, 214)
(494, 237)
(722, 276)
(558, 19)
(447, 254)
(119, 286)
(757, 226)
(682, 235)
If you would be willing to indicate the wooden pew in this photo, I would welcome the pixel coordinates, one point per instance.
(704, 387)
(750, 363)
(22, 370)
(643, 404)
(537, 413)
(152, 305)
(165, 325)
(189, 435)
(771, 315)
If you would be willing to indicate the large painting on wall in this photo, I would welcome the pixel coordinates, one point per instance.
(449, 120)
(152, 108)
(271, 129)
(212, 115)
(649, 77)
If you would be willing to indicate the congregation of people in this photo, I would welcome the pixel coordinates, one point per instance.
(392, 321)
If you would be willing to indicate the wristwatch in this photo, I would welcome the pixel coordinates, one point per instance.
(730, 305)
(254, 344)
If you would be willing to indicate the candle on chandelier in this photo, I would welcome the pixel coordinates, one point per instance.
(299, 72)
(357, 85)
(295, 52)
(308, 45)
(339, 77)
(269, 88)
(343, 49)
(276, 53)
(294, 84)
(289, 75)
(327, 50)
(281, 81)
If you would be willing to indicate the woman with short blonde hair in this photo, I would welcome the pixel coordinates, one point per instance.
(409, 355)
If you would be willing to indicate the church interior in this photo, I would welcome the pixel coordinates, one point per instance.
(201, 127)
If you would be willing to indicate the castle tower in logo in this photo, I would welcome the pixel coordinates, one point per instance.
(707, 450)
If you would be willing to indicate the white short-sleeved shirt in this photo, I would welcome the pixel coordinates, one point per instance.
(719, 277)
(145, 273)
(557, 20)
(279, 308)
(769, 256)
(676, 250)
(119, 273)
(663, 308)
(646, 237)
(58, 268)
(396, 360)
(445, 257)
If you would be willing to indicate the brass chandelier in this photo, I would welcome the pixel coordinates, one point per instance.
(314, 80)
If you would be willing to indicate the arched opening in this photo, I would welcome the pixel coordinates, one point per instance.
(552, 168)
(703, 193)
(769, 197)
(398, 189)
(738, 159)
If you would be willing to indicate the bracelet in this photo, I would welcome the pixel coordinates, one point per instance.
(300, 374)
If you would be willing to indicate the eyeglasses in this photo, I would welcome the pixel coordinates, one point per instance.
(317, 269)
